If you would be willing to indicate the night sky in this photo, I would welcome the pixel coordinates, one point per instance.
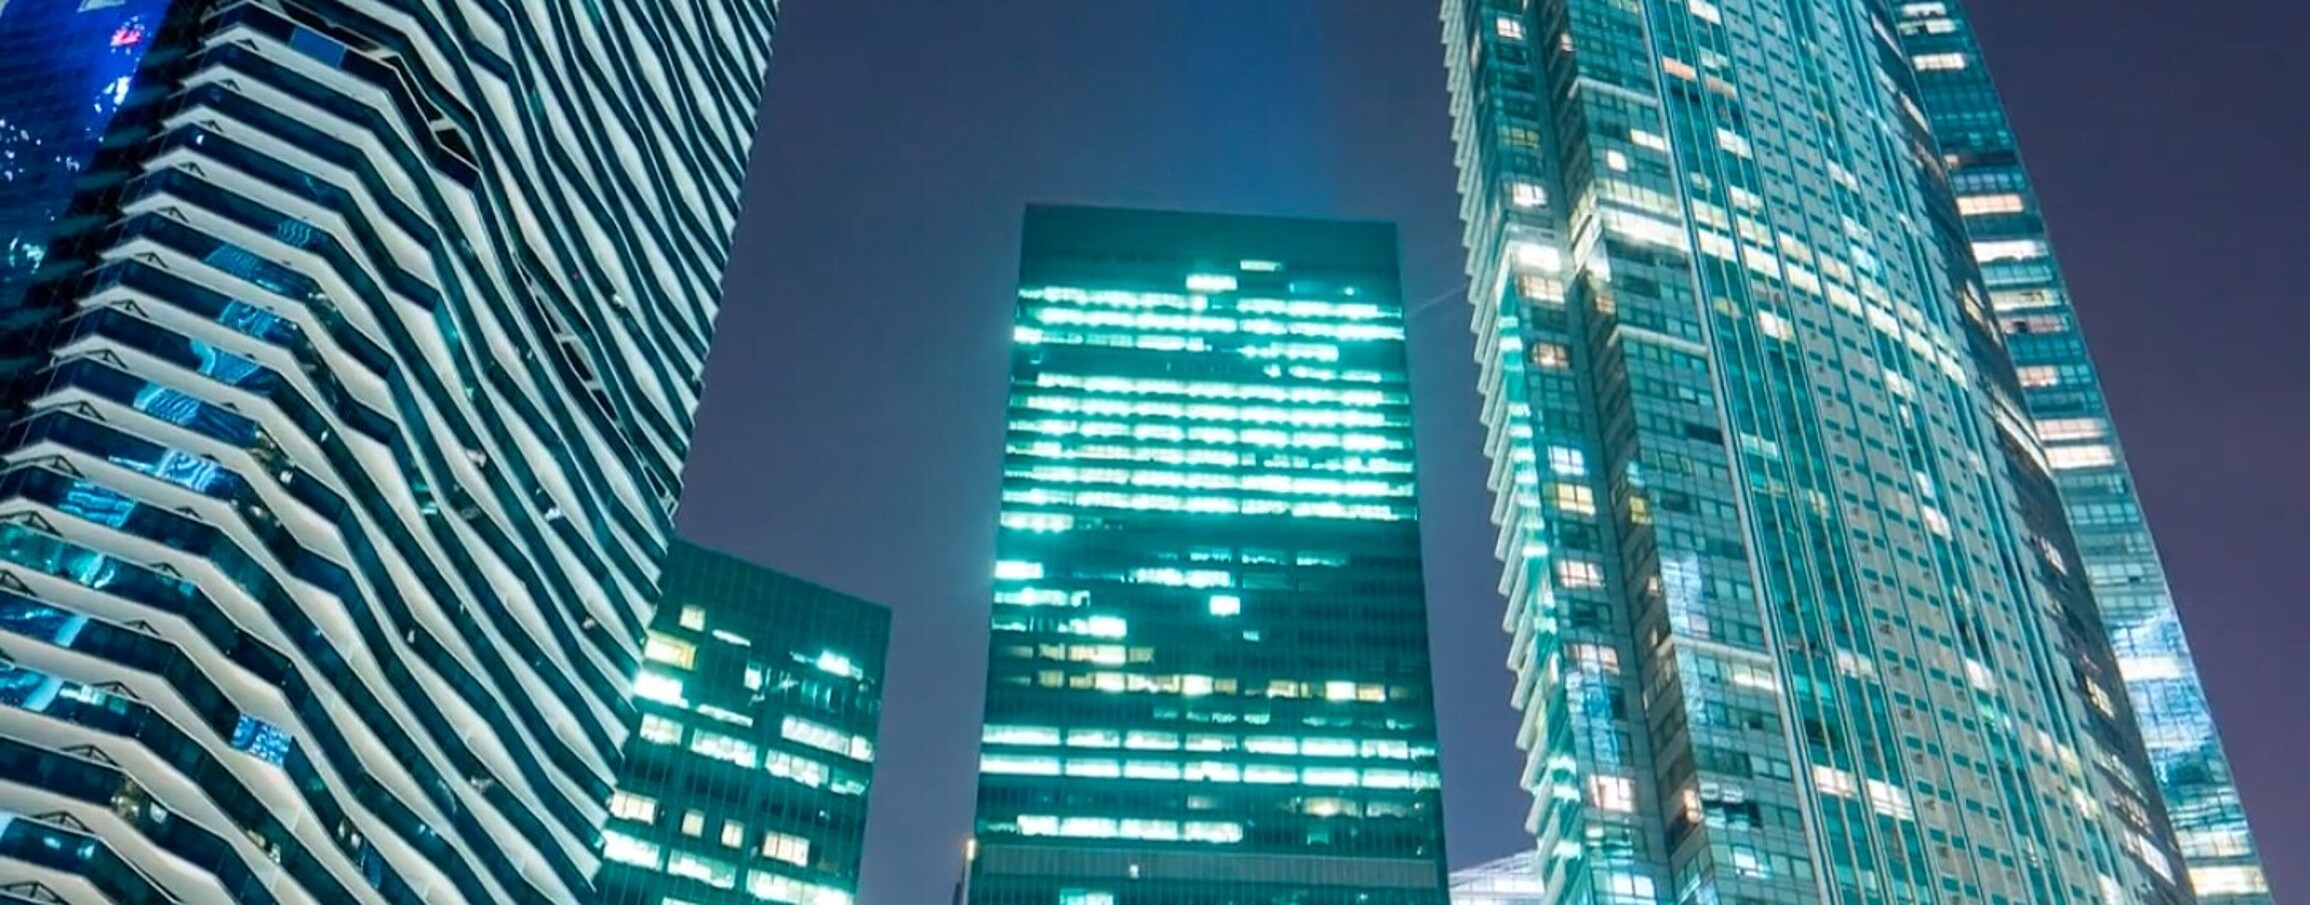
(852, 424)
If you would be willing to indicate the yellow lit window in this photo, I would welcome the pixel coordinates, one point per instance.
(671, 651)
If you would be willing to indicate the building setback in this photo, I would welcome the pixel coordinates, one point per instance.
(351, 349)
(1798, 611)
(746, 777)
(1209, 676)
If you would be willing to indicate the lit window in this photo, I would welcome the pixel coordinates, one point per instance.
(1939, 62)
(693, 823)
(1509, 27)
(629, 806)
(1983, 205)
(1576, 574)
(1525, 194)
(629, 850)
(1226, 605)
(712, 872)
(670, 651)
(733, 833)
(793, 850)
(2090, 456)
(1574, 499)
(722, 747)
(1612, 793)
(659, 730)
(656, 687)
(694, 618)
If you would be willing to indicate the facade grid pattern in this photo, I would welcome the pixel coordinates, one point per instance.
(351, 349)
(1209, 676)
(1795, 609)
(746, 777)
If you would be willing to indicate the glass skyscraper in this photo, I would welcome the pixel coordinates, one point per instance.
(1802, 559)
(2063, 398)
(746, 777)
(351, 349)
(1513, 880)
(1209, 676)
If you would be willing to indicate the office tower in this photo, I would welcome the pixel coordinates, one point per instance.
(2060, 392)
(1209, 669)
(1513, 880)
(746, 777)
(358, 345)
(1797, 612)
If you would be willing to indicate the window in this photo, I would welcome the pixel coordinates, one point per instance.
(629, 806)
(793, 850)
(659, 730)
(629, 850)
(719, 874)
(694, 823)
(661, 688)
(1508, 27)
(733, 834)
(671, 651)
(694, 618)
(1226, 604)
(722, 747)
(1577, 574)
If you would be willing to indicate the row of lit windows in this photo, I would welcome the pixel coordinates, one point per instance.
(1210, 324)
(659, 730)
(1217, 832)
(716, 872)
(1225, 436)
(1202, 283)
(1154, 740)
(1193, 686)
(1209, 505)
(1250, 414)
(776, 846)
(1217, 771)
(1132, 386)
(1217, 458)
(1174, 480)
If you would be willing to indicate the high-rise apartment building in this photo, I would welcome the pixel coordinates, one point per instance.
(2060, 393)
(1209, 676)
(1799, 614)
(746, 777)
(354, 349)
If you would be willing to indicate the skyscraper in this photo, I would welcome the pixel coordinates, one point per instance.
(746, 777)
(1209, 672)
(1798, 614)
(358, 347)
(2061, 394)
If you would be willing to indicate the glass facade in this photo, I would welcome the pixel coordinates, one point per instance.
(1514, 880)
(1798, 613)
(352, 354)
(1209, 676)
(2059, 391)
(746, 777)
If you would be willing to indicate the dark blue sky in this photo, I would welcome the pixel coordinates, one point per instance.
(851, 431)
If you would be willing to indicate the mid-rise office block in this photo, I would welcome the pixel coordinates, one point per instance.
(2062, 396)
(1209, 677)
(351, 351)
(1798, 614)
(746, 777)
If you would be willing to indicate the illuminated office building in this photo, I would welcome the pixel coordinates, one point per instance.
(2063, 397)
(746, 777)
(349, 351)
(1209, 671)
(1798, 612)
